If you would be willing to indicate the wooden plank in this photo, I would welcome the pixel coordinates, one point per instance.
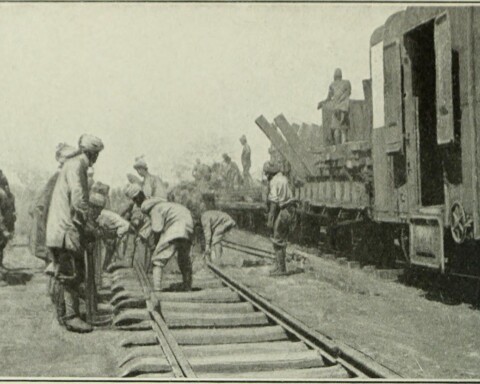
(214, 295)
(257, 362)
(197, 283)
(144, 365)
(229, 336)
(281, 145)
(294, 141)
(125, 286)
(169, 306)
(123, 295)
(253, 348)
(139, 338)
(318, 140)
(141, 351)
(90, 289)
(333, 372)
(305, 135)
(157, 376)
(192, 319)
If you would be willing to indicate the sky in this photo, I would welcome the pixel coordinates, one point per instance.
(169, 81)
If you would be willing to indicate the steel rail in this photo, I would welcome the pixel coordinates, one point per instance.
(262, 253)
(240, 248)
(354, 361)
(175, 356)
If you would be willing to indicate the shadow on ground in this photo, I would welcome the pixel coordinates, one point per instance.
(446, 289)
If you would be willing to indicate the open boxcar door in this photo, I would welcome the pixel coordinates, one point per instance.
(443, 66)
(429, 48)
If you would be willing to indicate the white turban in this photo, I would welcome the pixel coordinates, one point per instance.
(140, 163)
(90, 143)
(133, 179)
(97, 199)
(64, 152)
(132, 190)
(101, 188)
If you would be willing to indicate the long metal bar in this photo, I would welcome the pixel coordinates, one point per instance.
(173, 352)
(335, 352)
(90, 290)
(177, 371)
(248, 251)
(247, 246)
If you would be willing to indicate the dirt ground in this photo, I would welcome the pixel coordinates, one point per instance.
(394, 324)
(31, 341)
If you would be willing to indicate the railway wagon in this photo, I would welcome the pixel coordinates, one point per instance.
(408, 175)
(425, 71)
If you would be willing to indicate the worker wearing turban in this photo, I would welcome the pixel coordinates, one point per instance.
(65, 152)
(152, 185)
(90, 143)
(67, 218)
(172, 225)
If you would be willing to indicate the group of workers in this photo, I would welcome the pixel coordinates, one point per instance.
(229, 174)
(72, 212)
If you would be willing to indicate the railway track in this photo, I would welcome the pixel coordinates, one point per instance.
(221, 329)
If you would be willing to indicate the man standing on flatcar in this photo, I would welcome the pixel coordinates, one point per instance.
(246, 161)
(232, 176)
(339, 100)
(281, 212)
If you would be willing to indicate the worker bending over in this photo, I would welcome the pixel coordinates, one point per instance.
(216, 225)
(171, 226)
(113, 228)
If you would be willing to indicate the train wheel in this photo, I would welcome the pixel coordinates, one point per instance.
(458, 223)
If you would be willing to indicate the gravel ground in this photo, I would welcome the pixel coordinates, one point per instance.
(393, 323)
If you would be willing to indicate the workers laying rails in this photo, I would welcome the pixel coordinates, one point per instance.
(171, 227)
(215, 225)
(113, 228)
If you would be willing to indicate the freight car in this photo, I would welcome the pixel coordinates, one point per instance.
(407, 181)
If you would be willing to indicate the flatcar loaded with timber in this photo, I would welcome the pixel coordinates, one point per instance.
(405, 185)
